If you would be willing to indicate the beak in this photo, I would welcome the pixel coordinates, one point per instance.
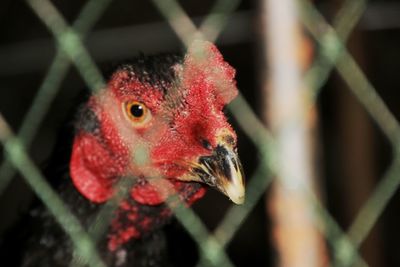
(223, 171)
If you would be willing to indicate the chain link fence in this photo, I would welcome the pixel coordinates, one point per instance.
(332, 54)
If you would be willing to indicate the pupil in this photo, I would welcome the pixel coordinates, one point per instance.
(137, 111)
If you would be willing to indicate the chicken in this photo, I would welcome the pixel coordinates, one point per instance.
(159, 129)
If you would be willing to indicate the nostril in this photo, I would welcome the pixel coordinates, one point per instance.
(206, 144)
(229, 140)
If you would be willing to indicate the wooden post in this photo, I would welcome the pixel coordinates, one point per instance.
(357, 157)
(292, 121)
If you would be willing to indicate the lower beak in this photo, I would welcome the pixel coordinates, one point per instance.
(223, 171)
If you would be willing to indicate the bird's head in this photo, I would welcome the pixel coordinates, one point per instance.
(161, 121)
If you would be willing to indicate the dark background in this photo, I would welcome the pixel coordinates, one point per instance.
(352, 153)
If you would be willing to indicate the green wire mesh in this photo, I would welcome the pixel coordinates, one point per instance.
(332, 54)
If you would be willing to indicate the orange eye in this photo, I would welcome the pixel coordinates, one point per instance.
(137, 112)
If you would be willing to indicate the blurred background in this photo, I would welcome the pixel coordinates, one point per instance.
(351, 154)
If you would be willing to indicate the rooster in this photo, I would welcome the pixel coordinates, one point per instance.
(158, 128)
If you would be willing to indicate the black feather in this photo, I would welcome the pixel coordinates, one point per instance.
(156, 70)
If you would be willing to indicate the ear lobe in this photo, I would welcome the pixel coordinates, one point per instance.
(88, 161)
(204, 58)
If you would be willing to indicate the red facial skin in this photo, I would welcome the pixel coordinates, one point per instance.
(189, 114)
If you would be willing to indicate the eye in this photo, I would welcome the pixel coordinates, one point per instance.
(137, 112)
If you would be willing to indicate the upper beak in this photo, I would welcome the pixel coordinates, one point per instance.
(223, 170)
